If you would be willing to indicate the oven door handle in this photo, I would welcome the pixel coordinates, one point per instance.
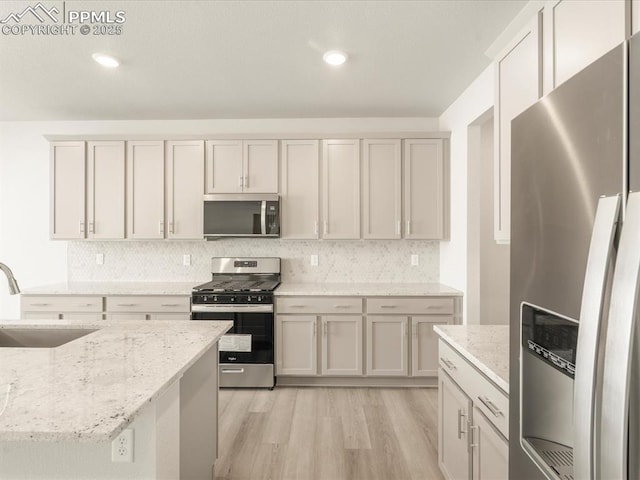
(200, 308)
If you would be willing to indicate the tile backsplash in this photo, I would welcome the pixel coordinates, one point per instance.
(339, 261)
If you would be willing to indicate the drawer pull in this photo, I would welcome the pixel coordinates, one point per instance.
(448, 363)
(83, 305)
(388, 306)
(491, 406)
(435, 307)
(297, 306)
(169, 304)
(40, 304)
(232, 370)
(461, 416)
(342, 306)
(127, 304)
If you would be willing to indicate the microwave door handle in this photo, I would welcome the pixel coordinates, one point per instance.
(601, 250)
(263, 217)
(618, 366)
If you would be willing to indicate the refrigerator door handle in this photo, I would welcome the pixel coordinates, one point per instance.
(614, 427)
(592, 308)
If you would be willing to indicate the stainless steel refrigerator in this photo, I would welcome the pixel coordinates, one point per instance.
(574, 407)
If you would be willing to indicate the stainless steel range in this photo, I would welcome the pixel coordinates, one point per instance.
(241, 290)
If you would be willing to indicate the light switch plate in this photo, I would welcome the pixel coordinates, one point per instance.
(99, 258)
(314, 260)
(186, 260)
(415, 260)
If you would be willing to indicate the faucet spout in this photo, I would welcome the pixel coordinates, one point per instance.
(13, 284)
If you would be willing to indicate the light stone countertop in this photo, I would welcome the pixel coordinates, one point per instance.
(91, 388)
(366, 289)
(113, 288)
(485, 346)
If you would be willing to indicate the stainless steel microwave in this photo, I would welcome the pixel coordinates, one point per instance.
(241, 215)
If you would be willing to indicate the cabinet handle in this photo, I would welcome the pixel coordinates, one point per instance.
(246, 181)
(40, 304)
(240, 182)
(461, 416)
(342, 306)
(405, 330)
(324, 328)
(315, 227)
(296, 306)
(81, 227)
(92, 227)
(169, 304)
(471, 436)
(171, 227)
(398, 227)
(435, 307)
(127, 304)
(388, 306)
(161, 227)
(83, 304)
(315, 326)
(408, 227)
(450, 365)
(415, 330)
(326, 227)
(491, 406)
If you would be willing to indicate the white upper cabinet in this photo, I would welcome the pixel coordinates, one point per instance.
(260, 166)
(578, 32)
(341, 189)
(249, 166)
(424, 189)
(67, 190)
(105, 190)
(185, 188)
(145, 189)
(300, 204)
(224, 166)
(518, 86)
(381, 184)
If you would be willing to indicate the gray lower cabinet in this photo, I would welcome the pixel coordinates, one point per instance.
(472, 421)
(359, 336)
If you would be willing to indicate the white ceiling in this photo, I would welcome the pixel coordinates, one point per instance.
(252, 59)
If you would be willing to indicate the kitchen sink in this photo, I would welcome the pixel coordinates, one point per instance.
(40, 337)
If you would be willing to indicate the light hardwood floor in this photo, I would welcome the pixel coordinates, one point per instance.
(328, 433)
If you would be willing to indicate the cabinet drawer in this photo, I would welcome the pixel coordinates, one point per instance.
(420, 305)
(319, 305)
(145, 303)
(485, 395)
(60, 303)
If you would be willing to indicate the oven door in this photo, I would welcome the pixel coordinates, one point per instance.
(250, 340)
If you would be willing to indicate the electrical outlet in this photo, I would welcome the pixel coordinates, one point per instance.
(122, 447)
(415, 260)
(99, 258)
(186, 260)
(314, 260)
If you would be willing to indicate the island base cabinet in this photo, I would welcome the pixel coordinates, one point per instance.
(490, 450)
(453, 442)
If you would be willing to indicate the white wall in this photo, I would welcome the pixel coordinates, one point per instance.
(472, 104)
(24, 179)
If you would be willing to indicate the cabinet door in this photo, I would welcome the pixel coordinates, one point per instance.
(453, 410)
(424, 344)
(300, 188)
(518, 86)
(341, 345)
(224, 166)
(297, 345)
(185, 188)
(381, 188)
(490, 450)
(424, 189)
(260, 166)
(145, 190)
(105, 190)
(387, 342)
(341, 189)
(576, 35)
(67, 190)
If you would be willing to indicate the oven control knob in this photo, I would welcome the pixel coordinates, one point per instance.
(259, 299)
(204, 299)
(215, 299)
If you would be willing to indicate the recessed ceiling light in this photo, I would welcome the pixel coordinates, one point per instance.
(106, 60)
(335, 57)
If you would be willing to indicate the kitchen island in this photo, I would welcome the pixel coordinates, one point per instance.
(61, 407)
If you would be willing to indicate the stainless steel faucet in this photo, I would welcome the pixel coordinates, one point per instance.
(13, 285)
